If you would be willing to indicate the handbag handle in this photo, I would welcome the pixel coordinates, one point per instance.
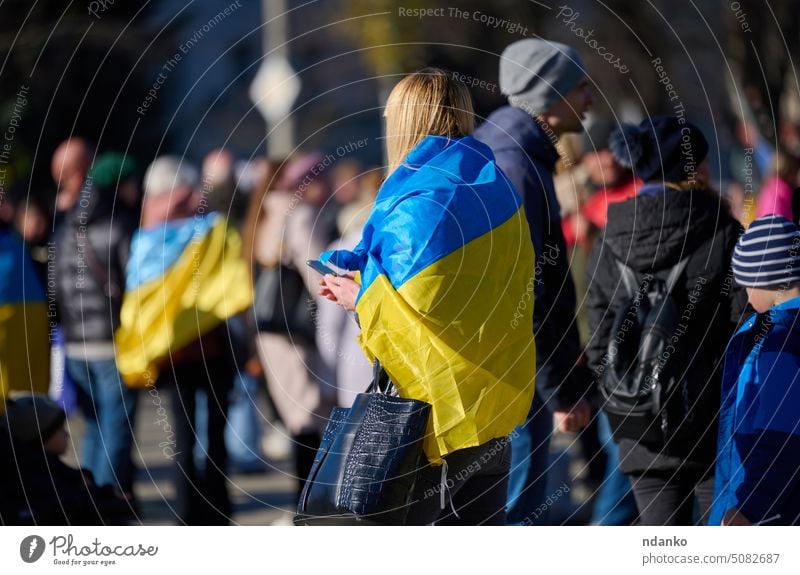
(380, 379)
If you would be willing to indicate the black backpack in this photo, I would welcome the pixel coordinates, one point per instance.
(642, 379)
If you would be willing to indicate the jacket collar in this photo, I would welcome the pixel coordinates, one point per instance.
(782, 311)
(510, 128)
(789, 304)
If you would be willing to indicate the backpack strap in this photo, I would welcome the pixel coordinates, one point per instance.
(628, 278)
(675, 273)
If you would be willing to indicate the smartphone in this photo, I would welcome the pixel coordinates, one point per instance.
(321, 268)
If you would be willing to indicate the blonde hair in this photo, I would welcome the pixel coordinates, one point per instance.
(428, 102)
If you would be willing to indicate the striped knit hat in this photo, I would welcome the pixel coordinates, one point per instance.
(768, 253)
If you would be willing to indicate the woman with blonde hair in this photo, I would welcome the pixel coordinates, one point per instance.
(444, 297)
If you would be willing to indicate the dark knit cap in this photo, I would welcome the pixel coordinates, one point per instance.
(660, 148)
(768, 253)
(33, 419)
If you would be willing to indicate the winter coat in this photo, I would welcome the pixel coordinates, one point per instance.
(91, 253)
(650, 233)
(758, 461)
(527, 155)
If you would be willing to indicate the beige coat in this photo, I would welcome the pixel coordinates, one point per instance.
(289, 233)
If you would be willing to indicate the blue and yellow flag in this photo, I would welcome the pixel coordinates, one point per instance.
(446, 300)
(24, 327)
(184, 278)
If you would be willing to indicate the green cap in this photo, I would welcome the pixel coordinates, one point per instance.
(112, 168)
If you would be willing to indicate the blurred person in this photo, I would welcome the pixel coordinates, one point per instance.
(92, 247)
(24, 320)
(548, 94)
(676, 230)
(573, 188)
(735, 195)
(7, 210)
(345, 182)
(274, 442)
(758, 453)
(287, 233)
(228, 185)
(750, 163)
(32, 221)
(613, 182)
(218, 182)
(243, 432)
(50, 492)
(185, 278)
(68, 167)
(608, 182)
(445, 255)
(347, 368)
(775, 196)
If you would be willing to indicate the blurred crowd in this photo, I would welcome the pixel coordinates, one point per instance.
(77, 262)
(103, 313)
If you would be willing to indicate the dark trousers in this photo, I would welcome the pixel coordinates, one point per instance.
(476, 486)
(201, 494)
(668, 497)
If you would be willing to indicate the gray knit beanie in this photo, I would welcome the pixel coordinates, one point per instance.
(534, 74)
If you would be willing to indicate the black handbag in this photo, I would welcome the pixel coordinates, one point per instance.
(366, 466)
(282, 303)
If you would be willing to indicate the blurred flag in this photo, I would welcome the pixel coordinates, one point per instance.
(183, 279)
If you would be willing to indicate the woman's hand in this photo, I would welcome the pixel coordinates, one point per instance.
(340, 289)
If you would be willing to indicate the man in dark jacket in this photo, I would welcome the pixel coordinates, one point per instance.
(92, 249)
(548, 94)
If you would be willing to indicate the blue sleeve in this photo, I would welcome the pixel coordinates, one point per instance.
(768, 432)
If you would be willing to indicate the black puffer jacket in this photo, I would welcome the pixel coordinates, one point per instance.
(91, 253)
(651, 233)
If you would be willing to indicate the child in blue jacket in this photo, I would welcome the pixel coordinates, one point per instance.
(757, 477)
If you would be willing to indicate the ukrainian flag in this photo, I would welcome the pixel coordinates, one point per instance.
(183, 279)
(446, 300)
(24, 335)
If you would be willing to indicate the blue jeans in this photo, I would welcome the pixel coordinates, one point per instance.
(615, 504)
(530, 458)
(109, 409)
(243, 428)
(243, 432)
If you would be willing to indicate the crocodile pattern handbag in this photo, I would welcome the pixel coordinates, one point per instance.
(367, 462)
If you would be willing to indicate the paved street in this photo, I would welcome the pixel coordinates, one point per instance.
(266, 498)
(258, 499)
